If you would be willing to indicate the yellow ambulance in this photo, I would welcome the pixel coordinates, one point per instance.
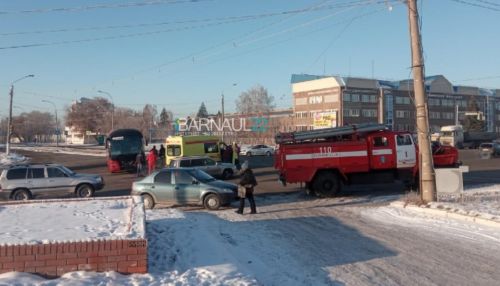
(192, 145)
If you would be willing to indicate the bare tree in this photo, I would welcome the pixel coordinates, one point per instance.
(90, 115)
(33, 126)
(255, 100)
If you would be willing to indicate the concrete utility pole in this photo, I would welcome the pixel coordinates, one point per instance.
(9, 123)
(427, 175)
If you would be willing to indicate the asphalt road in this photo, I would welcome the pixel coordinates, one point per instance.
(482, 171)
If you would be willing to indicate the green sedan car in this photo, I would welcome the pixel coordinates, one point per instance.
(183, 186)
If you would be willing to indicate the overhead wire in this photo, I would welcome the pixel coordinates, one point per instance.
(475, 4)
(102, 6)
(317, 8)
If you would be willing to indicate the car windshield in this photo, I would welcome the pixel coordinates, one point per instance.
(201, 176)
(67, 170)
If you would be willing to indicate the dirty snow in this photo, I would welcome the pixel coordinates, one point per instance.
(478, 201)
(70, 220)
(97, 151)
(12, 158)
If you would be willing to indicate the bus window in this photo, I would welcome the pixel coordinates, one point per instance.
(211, 147)
(173, 150)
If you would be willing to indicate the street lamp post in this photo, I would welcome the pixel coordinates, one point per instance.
(222, 111)
(9, 123)
(57, 122)
(113, 107)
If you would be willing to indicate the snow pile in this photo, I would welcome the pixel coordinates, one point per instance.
(11, 159)
(71, 220)
(482, 202)
(86, 151)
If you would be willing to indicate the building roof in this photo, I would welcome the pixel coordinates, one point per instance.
(296, 78)
(433, 83)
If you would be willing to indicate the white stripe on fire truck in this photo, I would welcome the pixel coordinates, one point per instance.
(382, 152)
(326, 155)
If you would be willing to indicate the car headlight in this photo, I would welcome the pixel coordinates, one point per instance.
(227, 190)
(99, 179)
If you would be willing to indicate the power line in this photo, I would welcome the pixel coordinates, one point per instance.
(219, 45)
(476, 5)
(102, 6)
(318, 8)
(117, 36)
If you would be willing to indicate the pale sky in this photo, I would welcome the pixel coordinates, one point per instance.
(178, 53)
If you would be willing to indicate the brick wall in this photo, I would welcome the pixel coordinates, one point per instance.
(54, 259)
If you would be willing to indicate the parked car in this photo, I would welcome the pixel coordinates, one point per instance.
(28, 181)
(208, 165)
(184, 186)
(257, 150)
(492, 148)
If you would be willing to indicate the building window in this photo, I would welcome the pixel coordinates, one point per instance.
(351, 112)
(447, 102)
(346, 97)
(434, 115)
(448, 115)
(365, 98)
(373, 98)
(355, 97)
(402, 114)
(402, 100)
(434, 102)
(369, 113)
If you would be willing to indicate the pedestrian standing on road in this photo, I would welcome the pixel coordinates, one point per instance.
(138, 163)
(161, 156)
(228, 154)
(151, 161)
(246, 188)
(155, 151)
(236, 154)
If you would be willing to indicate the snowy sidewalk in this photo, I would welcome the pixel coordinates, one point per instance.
(478, 204)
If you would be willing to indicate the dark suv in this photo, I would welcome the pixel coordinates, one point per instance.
(24, 182)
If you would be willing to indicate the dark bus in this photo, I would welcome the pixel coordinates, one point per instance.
(123, 146)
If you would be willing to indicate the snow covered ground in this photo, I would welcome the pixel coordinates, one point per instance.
(298, 240)
(12, 158)
(41, 221)
(87, 150)
(477, 201)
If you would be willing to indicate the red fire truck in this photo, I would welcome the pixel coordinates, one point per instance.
(366, 153)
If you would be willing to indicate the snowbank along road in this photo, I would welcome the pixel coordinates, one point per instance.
(298, 240)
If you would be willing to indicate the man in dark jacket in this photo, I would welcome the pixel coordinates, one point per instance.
(248, 182)
(161, 156)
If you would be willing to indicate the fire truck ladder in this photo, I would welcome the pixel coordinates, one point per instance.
(282, 138)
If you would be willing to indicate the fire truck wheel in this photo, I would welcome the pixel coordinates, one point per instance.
(326, 184)
(310, 190)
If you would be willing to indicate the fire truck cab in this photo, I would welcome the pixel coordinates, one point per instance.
(359, 154)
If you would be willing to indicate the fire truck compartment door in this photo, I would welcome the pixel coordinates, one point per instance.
(405, 149)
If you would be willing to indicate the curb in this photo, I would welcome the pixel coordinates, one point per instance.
(447, 214)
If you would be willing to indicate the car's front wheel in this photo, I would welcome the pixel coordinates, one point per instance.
(22, 195)
(148, 200)
(85, 191)
(212, 202)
